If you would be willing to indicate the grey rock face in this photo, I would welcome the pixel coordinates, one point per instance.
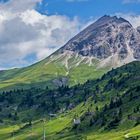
(63, 81)
(106, 37)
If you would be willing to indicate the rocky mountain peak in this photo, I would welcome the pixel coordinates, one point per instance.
(108, 39)
(106, 19)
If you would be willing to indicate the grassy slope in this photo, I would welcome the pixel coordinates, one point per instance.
(44, 72)
(59, 128)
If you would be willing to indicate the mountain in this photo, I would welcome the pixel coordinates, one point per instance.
(108, 43)
(106, 108)
(110, 40)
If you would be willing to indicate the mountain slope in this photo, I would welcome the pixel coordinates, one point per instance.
(109, 42)
(107, 107)
(52, 74)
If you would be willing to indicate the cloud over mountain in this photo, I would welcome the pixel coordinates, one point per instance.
(25, 32)
(27, 36)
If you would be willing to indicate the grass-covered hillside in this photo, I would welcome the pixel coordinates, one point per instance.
(107, 108)
(53, 72)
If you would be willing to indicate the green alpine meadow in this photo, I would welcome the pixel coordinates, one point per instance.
(69, 70)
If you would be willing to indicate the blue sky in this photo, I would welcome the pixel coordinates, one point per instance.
(89, 8)
(30, 30)
(86, 9)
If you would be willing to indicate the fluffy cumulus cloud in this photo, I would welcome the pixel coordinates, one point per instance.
(27, 35)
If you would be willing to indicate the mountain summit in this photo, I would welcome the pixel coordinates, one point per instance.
(108, 43)
(111, 40)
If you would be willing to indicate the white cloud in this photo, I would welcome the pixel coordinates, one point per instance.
(19, 5)
(25, 32)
